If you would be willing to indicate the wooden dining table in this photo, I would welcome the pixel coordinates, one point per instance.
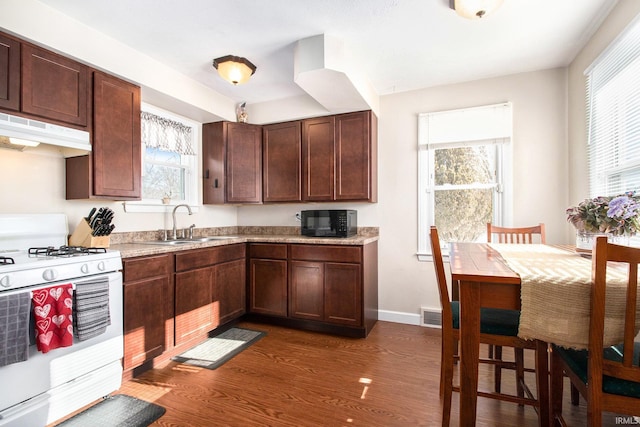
(485, 280)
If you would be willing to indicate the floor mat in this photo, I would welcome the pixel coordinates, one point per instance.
(218, 349)
(119, 410)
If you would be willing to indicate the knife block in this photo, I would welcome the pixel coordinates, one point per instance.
(82, 237)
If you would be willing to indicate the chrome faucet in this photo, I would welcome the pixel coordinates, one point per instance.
(175, 232)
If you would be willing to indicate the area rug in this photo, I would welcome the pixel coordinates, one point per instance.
(218, 349)
(119, 410)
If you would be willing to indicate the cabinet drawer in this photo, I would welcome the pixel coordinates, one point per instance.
(145, 267)
(327, 253)
(209, 256)
(268, 250)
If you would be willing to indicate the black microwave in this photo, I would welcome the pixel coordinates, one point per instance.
(329, 223)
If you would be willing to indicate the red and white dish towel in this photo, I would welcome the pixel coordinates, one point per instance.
(52, 311)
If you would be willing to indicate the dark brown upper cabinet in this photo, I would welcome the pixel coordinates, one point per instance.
(356, 156)
(55, 87)
(340, 158)
(281, 162)
(318, 159)
(9, 73)
(113, 169)
(231, 163)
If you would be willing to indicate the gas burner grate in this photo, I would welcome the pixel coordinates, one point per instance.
(65, 251)
(5, 260)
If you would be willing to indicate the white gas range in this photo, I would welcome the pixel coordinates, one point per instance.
(48, 386)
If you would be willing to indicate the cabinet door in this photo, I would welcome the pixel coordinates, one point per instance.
(54, 87)
(9, 73)
(244, 163)
(213, 161)
(145, 303)
(116, 138)
(343, 294)
(306, 292)
(353, 156)
(230, 290)
(268, 286)
(318, 157)
(195, 313)
(281, 164)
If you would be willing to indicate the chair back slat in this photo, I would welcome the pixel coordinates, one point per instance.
(627, 368)
(517, 235)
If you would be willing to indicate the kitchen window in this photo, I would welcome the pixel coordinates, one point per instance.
(463, 161)
(169, 155)
(613, 116)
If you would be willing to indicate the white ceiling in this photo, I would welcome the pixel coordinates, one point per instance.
(398, 45)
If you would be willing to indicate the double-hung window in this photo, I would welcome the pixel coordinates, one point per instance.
(613, 116)
(169, 167)
(463, 159)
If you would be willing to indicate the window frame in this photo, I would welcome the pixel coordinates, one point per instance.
(191, 168)
(502, 211)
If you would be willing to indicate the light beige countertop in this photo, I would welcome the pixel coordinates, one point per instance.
(129, 243)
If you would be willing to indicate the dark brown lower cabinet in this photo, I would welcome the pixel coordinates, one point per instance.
(306, 295)
(326, 291)
(268, 279)
(172, 301)
(343, 293)
(195, 312)
(230, 289)
(331, 288)
(148, 314)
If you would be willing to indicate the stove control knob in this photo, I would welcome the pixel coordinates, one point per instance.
(5, 281)
(85, 268)
(101, 266)
(49, 274)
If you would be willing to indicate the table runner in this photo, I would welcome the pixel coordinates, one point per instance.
(555, 295)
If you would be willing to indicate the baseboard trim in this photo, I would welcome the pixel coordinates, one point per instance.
(399, 317)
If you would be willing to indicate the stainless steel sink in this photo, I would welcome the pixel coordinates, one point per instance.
(208, 238)
(183, 241)
(163, 242)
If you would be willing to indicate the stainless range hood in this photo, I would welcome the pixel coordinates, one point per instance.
(14, 127)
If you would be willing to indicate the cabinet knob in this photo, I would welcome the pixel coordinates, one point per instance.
(206, 174)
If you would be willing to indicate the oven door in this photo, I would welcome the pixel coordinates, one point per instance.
(49, 386)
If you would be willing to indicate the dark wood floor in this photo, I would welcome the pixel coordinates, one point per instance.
(295, 378)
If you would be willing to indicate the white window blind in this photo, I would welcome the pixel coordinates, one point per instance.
(613, 116)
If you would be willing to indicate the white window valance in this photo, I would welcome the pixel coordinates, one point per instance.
(165, 134)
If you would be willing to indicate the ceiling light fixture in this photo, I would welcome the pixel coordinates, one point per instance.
(474, 9)
(234, 69)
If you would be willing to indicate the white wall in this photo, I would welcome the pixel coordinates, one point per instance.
(539, 181)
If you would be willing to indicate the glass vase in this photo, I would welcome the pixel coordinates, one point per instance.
(585, 240)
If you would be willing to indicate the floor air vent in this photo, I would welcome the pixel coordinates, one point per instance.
(430, 317)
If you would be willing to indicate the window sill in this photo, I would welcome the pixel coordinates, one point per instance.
(429, 257)
(153, 207)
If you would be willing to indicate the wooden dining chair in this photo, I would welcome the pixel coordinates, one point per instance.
(533, 234)
(497, 327)
(518, 235)
(607, 377)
